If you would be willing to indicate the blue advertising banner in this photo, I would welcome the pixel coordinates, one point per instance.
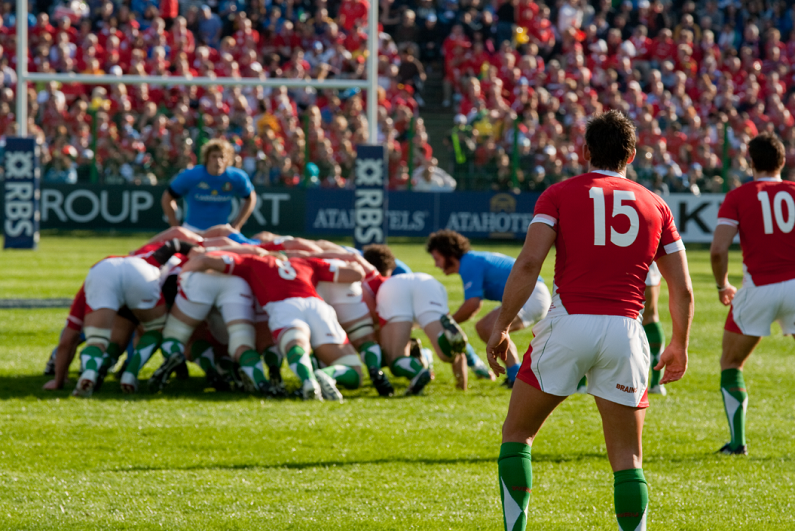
(370, 199)
(474, 214)
(21, 194)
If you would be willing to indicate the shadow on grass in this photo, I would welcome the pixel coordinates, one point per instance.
(31, 387)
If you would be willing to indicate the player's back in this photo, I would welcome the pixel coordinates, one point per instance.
(764, 212)
(609, 230)
(484, 274)
(273, 279)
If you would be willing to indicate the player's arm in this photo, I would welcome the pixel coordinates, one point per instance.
(246, 208)
(172, 247)
(349, 273)
(674, 270)
(345, 256)
(468, 309)
(201, 261)
(169, 204)
(64, 354)
(518, 288)
(240, 249)
(719, 256)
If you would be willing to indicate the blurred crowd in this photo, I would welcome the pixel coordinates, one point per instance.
(147, 133)
(698, 78)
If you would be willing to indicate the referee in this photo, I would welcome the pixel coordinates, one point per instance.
(208, 190)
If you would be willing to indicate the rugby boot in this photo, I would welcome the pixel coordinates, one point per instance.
(740, 450)
(157, 382)
(419, 382)
(311, 390)
(85, 386)
(455, 334)
(380, 382)
(658, 389)
(181, 371)
(328, 387)
(49, 368)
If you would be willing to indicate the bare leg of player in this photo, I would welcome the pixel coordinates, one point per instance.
(294, 342)
(242, 347)
(176, 334)
(97, 326)
(736, 350)
(343, 368)
(449, 348)
(361, 333)
(395, 337)
(527, 411)
(655, 335)
(623, 430)
(152, 321)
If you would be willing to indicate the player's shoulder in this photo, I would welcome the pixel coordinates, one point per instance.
(237, 174)
(196, 172)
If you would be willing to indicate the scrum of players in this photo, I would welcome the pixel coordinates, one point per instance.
(239, 307)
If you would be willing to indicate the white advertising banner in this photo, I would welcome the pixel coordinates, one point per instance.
(696, 215)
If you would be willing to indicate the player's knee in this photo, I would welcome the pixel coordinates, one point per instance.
(98, 336)
(242, 337)
(294, 336)
(176, 329)
(154, 324)
(483, 330)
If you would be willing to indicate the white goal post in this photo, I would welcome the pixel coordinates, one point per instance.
(370, 84)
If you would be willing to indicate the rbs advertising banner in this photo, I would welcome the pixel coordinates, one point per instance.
(21, 194)
(370, 199)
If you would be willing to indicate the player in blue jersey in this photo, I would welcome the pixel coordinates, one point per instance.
(208, 190)
(484, 275)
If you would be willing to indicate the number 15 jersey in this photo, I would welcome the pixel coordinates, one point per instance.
(609, 230)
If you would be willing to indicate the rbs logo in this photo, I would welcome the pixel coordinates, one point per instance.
(370, 196)
(21, 194)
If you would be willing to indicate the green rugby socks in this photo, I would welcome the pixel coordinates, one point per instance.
(371, 355)
(147, 345)
(656, 337)
(516, 484)
(631, 494)
(346, 377)
(251, 364)
(407, 367)
(735, 401)
(91, 358)
(300, 364)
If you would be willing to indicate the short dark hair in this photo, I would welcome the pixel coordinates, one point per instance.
(381, 257)
(448, 243)
(610, 137)
(767, 153)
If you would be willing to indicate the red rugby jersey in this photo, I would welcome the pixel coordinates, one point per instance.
(764, 212)
(609, 229)
(273, 279)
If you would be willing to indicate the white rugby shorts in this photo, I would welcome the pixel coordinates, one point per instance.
(346, 299)
(116, 282)
(537, 305)
(653, 278)
(611, 350)
(754, 308)
(199, 292)
(309, 312)
(412, 297)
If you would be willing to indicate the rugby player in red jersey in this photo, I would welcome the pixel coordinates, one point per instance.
(762, 212)
(607, 231)
(298, 318)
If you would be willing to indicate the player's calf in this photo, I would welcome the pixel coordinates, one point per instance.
(147, 345)
(97, 340)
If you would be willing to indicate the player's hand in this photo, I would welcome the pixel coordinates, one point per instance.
(53, 385)
(727, 294)
(499, 342)
(196, 251)
(674, 361)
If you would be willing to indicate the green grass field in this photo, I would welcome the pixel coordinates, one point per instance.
(195, 460)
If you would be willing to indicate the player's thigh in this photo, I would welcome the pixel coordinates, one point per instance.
(736, 349)
(189, 312)
(141, 282)
(103, 318)
(235, 300)
(754, 308)
(528, 409)
(786, 311)
(535, 309)
(394, 339)
(563, 350)
(104, 286)
(151, 315)
(123, 329)
(621, 371)
(339, 354)
(623, 430)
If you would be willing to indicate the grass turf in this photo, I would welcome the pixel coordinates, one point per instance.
(190, 459)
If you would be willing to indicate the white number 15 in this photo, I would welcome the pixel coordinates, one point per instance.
(621, 239)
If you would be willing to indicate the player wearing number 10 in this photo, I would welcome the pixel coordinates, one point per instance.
(607, 231)
(763, 213)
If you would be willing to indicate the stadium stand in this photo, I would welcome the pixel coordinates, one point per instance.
(516, 79)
